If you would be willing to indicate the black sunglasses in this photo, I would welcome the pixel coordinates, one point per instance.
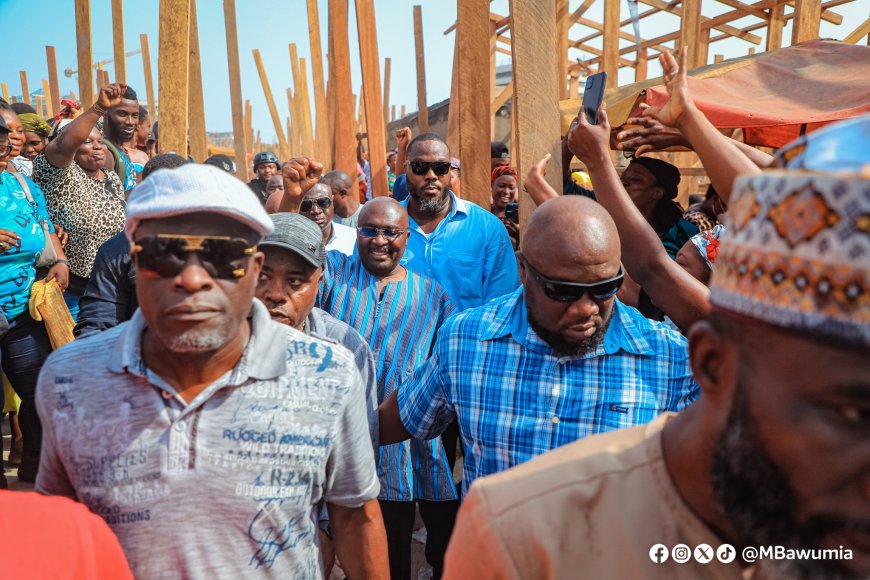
(423, 167)
(166, 254)
(322, 202)
(389, 233)
(572, 291)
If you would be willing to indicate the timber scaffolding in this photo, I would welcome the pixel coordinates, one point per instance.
(552, 45)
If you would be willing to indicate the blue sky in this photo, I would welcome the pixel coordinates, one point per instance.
(29, 25)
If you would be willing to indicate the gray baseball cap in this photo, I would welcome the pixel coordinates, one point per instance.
(299, 235)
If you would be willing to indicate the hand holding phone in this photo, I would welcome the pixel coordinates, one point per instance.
(593, 94)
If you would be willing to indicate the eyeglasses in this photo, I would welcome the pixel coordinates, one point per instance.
(423, 167)
(572, 291)
(6, 149)
(389, 233)
(322, 202)
(166, 254)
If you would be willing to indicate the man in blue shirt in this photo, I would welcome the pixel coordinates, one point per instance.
(555, 361)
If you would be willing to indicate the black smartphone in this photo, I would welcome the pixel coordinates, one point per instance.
(593, 94)
(512, 213)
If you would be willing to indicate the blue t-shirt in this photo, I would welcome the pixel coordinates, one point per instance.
(18, 265)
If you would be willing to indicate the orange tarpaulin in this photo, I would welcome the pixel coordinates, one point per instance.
(772, 96)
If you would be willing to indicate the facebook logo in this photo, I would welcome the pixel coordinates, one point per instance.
(659, 553)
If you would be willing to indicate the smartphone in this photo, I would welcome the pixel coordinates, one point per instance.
(512, 213)
(593, 94)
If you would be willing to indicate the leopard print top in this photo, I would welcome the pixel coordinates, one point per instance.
(90, 210)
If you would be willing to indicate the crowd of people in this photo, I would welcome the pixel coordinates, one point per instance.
(274, 378)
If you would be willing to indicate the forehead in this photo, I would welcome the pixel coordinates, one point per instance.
(281, 259)
(429, 150)
(205, 224)
(505, 179)
(128, 106)
(318, 191)
(276, 180)
(383, 215)
(637, 171)
(10, 117)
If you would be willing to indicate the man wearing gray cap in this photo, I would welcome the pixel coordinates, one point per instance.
(202, 431)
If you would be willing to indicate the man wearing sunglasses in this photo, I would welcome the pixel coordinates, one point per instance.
(555, 361)
(317, 205)
(399, 312)
(205, 433)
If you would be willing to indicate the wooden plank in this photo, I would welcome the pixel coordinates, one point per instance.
(472, 36)
(54, 85)
(859, 33)
(294, 102)
(83, 52)
(270, 101)
(294, 137)
(422, 109)
(120, 56)
(361, 111)
(392, 113)
(536, 104)
(49, 104)
(248, 127)
(5, 90)
(453, 110)
(387, 67)
(493, 34)
(708, 22)
(374, 102)
(573, 86)
(195, 102)
(172, 74)
(501, 98)
(690, 30)
(38, 101)
(25, 90)
(235, 88)
(826, 15)
(562, 26)
(609, 62)
(304, 105)
(807, 14)
(403, 111)
(640, 68)
(323, 141)
(775, 24)
(149, 80)
(718, 58)
(339, 74)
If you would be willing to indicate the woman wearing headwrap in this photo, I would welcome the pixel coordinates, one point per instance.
(504, 189)
(36, 132)
(698, 255)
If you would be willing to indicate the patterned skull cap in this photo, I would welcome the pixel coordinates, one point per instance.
(797, 253)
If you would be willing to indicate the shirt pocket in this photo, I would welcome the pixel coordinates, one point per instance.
(466, 281)
(620, 412)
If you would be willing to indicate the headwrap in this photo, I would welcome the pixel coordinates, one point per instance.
(502, 170)
(68, 109)
(797, 253)
(708, 243)
(667, 175)
(33, 123)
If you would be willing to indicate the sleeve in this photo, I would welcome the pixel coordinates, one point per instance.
(332, 268)
(52, 478)
(476, 548)
(682, 390)
(351, 477)
(106, 298)
(39, 198)
(501, 275)
(424, 403)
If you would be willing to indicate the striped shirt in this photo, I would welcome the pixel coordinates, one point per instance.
(515, 398)
(400, 327)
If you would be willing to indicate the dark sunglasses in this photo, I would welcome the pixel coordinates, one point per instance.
(322, 202)
(423, 167)
(572, 291)
(166, 254)
(389, 233)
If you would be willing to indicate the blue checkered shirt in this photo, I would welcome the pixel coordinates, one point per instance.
(515, 398)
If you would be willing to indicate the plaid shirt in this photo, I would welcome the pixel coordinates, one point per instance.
(515, 398)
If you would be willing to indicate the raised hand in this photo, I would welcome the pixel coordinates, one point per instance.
(645, 134)
(590, 143)
(111, 95)
(679, 101)
(300, 174)
(403, 138)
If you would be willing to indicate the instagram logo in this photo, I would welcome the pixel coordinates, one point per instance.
(658, 553)
(681, 553)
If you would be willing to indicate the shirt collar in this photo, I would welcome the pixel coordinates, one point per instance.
(457, 205)
(265, 355)
(512, 319)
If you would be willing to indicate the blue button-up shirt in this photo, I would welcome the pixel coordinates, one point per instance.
(515, 398)
(469, 253)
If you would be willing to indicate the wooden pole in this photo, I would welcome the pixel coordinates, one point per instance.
(775, 24)
(392, 109)
(172, 72)
(296, 105)
(690, 30)
(374, 103)
(453, 110)
(295, 136)
(386, 106)
(345, 141)
(472, 35)
(807, 14)
(5, 91)
(717, 58)
(563, 24)
(270, 102)
(536, 79)
(83, 49)
(51, 60)
(235, 88)
(404, 111)
(38, 100)
(120, 59)
(196, 104)
(305, 110)
(25, 90)
(323, 141)
(49, 99)
(640, 67)
(492, 73)
(610, 59)
(149, 80)
(422, 109)
(248, 127)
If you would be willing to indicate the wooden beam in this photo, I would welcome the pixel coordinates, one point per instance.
(535, 104)
(640, 68)
(775, 24)
(422, 109)
(248, 128)
(609, 62)
(403, 111)
(323, 141)
(54, 85)
(453, 110)
(392, 113)
(236, 89)
(361, 112)
(83, 51)
(345, 138)
(297, 141)
(149, 81)
(690, 30)
(270, 101)
(172, 71)
(859, 33)
(472, 37)
(562, 25)
(826, 15)
(581, 10)
(46, 91)
(501, 98)
(120, 60)
(195, 101)
(374, 103)
(5, 90)
(294, 135)
(807, 14)
(387, 66)
(718, 58)
(306, 128)
(706, 22)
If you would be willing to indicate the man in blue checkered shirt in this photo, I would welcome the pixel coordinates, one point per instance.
(556, 360)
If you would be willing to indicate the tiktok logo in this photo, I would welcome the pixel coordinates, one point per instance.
(659, 553)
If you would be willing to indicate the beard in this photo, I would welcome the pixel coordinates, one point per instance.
(564, 347)
(431, 206)
(758, 500)
(199, 341)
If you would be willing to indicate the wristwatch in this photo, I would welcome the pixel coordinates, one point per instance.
(62, 262)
